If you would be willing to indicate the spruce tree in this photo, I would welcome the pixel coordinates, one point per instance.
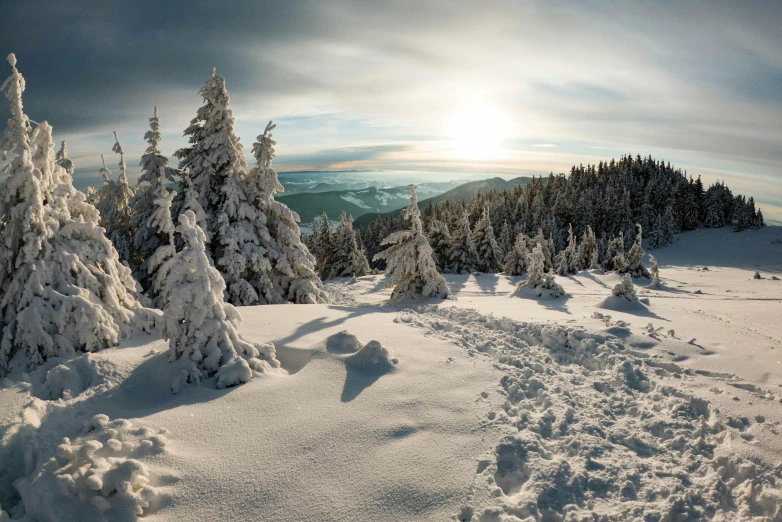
(489, 254)
(440, 241)
(413, 273)
(346, 258)
(62, 287)
(160, 220)
(292, 275)
(517, 260)
(634, 258)
(155, 172)
(200, 327)
(506, 239)
(614, 251)
(538, 280)
(567, 262)
(113, 203)
(586, 255)
(462, 256)
(322, 246)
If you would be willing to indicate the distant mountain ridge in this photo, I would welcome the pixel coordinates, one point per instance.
(357, 202)
(464, 193)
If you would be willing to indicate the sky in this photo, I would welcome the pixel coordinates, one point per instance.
(508, 88)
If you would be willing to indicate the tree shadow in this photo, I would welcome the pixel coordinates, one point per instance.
(487, 282)
(619, 304)
(456, 282)
(321, 323)
(591, 276)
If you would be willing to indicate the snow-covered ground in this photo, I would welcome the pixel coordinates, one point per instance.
(486, 408)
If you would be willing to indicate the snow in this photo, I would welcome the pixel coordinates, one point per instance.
(350, 197)
(496, 409)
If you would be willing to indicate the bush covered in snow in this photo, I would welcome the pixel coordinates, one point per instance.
(62, 286)
(538, 281)
(411, 266)
(625, 289)
(200, 327)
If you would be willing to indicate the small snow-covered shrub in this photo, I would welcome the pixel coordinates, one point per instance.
(538, 282)
(655, 272)
(200, 327)
(625, 289)
(102, 470)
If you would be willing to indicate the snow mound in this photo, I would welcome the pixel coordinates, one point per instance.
(343, 342)
(99, 475)
(596, 435)
(621, 304)
(373, 357)
(61, 378)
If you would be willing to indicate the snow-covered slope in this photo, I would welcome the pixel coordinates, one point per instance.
(485, 408)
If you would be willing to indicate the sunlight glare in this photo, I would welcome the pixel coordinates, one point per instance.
(477, 132)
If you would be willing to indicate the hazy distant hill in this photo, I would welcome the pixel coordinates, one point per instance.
(357, 202)
(463, 192)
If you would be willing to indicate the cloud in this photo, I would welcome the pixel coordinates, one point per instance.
(344, 79)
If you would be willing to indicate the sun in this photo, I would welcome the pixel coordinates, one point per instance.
(477, 132)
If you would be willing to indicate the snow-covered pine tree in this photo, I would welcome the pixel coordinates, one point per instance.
(346, 258)
(462, 256)
(655, 272)
(410, 264)
(440, 241)
(489, 254)
(113, 203)
(634, 258)
(215, 174)
(202, 329)
(506, 239)
(62, 286)
(322, 245)
(63, 160)
(160, 221)
(614, 249)
(538, 280)
(517, 259)
(155, 172)
(545, 244)
(586, 255)
(292, 274)
(567, 261)
(625, 289)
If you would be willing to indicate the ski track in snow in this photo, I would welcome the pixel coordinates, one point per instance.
(598, 433)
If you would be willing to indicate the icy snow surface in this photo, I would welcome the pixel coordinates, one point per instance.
(480, 409)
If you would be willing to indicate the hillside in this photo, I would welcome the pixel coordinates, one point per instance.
(490, 407)
(463, 192)
(356, 202)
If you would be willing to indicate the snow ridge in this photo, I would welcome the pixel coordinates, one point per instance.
(593, 432)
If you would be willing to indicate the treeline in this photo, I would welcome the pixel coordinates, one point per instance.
(609, 199)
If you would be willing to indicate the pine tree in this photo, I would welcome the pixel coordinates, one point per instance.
(440, 241)
(413, 273)
(567, 261)
(155, 171)
(586, 255)
(200, 327)
(113, 203)
(489, 254)
(545, 245)
(346, 258)
(462, 256)
(62, 286)
(322, 246)
(614, 251)
(63, 160)
(517, 260)
(160, 221)
(538, 280)
(655, 272)
(292, 273)
(506, 239)
(634, 258)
